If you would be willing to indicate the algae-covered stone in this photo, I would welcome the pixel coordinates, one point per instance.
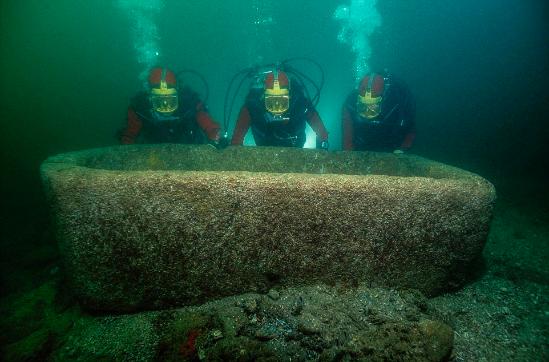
(438, 339)
(332, 326)
(145, 227)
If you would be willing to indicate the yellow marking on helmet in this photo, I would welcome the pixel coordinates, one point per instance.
(276, 90)
(163, 91)
(368, 99)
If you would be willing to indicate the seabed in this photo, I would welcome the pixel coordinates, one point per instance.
(501, 314)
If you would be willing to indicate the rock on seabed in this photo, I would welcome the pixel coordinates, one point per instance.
(156, 226)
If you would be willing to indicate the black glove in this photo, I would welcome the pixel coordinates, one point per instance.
(221, 143)
(322, 145)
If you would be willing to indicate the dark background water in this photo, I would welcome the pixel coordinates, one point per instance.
(479, 70)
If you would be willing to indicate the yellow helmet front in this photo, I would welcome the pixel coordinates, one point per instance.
(370, 96)
(277, 92)
(163, 91)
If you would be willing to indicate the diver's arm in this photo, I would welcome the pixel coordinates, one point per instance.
(347, 129)
(207, 124)
(242, 126)
(408, 139)
(408, 115)
(314, 120)
(133, 128)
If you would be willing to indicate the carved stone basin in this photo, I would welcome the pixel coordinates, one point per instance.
(155, 226)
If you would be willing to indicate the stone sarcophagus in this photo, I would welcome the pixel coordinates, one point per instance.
(155, 226)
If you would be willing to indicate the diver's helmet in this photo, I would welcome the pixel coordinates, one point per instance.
(163, 91)
(277, 92)
(370, 96)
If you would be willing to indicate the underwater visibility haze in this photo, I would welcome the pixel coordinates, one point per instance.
(478, 72)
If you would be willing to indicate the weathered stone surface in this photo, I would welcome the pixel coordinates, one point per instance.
(154, 226)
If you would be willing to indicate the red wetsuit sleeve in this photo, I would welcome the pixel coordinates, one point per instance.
(408, 140)
(242, 126)
(206, 122)
(317, 125)
(347, 129)
(132, 129)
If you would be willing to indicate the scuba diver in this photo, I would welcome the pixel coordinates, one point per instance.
(166, 113)
(277, 109)
(379, 116)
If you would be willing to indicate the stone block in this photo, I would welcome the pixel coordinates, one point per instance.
(156, 226)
